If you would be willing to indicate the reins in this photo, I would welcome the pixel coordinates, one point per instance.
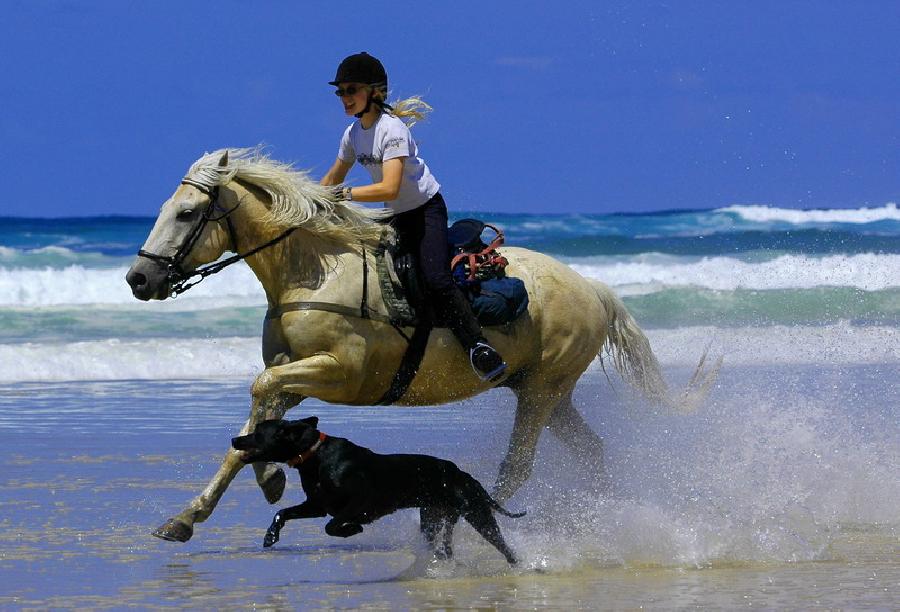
(182, 285)
(178, 283)
(177, 277)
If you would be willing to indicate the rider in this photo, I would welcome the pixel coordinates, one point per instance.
(382, 142)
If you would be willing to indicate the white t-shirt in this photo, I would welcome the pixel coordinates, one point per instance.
(389, 139)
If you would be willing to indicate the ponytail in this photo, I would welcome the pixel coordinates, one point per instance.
(409, 110)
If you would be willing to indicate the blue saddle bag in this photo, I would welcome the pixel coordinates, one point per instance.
(500, 300)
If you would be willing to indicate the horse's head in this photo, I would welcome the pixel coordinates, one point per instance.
(193, 228)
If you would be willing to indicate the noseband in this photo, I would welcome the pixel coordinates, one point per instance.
(175, 273)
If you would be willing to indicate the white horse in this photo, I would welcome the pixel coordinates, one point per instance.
(308, 249)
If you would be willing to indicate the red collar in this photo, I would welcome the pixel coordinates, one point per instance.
(305, 455)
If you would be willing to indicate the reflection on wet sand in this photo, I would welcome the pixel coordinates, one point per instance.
(75, 521)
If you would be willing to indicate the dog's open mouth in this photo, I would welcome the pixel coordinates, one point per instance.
(249, 455)
(247, 451)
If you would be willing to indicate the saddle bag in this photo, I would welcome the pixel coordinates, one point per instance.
(471, 260)
(500, 300)
(480, 272)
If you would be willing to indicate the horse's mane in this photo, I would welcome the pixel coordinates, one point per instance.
(297, 200)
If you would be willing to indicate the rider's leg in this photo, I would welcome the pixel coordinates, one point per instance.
(447, 297)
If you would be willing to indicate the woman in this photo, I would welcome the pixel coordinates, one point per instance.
(381, 141)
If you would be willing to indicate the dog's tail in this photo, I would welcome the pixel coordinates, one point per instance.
(476, 490)
(496, 506)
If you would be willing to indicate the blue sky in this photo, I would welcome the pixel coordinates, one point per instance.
(539, 106)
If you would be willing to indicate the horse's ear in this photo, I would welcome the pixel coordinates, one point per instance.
(313, 421)
(223, 161)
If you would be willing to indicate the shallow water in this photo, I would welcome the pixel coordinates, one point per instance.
(781, 491)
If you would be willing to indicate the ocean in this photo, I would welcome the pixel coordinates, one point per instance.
(782, 490)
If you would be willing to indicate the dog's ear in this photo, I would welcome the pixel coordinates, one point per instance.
(304, 423)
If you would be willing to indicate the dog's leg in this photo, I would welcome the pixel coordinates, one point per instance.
(482, 519)
(428, 524)
(433, 523)
(340, 528)
(307, 509)
(447, 543)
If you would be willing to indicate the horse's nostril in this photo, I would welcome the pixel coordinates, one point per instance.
(136, 279)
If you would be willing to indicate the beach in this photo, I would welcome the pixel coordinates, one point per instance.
(769, 496)
(779, 490)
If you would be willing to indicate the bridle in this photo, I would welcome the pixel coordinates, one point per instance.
(175, 273)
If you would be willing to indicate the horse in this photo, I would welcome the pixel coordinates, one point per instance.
(312, 253)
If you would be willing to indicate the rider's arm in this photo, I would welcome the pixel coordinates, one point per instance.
(387, 189)
(337, 173)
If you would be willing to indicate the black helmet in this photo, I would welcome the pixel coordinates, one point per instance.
(361, 68)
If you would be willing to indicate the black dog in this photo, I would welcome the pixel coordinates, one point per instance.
(356, 486)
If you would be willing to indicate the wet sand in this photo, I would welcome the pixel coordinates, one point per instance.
(728, 508)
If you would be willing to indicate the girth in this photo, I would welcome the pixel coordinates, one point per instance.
(416, 344)
(276, 311)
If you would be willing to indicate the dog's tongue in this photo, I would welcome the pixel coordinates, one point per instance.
(244, 456)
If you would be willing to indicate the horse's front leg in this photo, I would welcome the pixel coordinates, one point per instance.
(180, 528)
(269, 476)
(319, 376)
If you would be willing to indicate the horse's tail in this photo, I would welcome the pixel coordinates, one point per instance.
(634, 359)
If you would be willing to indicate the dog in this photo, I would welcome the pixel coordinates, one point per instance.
(356, 486)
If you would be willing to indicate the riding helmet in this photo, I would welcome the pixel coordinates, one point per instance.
(361, 68)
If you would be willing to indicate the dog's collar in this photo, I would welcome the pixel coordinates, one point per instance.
(305, 455)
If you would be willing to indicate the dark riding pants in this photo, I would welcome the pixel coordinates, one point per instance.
(426, 226)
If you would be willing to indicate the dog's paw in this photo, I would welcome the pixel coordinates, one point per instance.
(271, 538)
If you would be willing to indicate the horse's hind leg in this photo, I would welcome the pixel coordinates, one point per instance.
(586, 447)
(180, 528)
(532, 414)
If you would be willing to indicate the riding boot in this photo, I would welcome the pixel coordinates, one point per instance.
(485, 360)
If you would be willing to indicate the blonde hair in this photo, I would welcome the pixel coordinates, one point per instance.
(410, 110)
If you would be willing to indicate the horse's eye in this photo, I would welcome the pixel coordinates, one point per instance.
(186, 214)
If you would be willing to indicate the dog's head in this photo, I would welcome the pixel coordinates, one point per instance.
(277, 440)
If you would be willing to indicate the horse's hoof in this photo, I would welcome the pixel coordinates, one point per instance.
(174, 530)
(273, 487)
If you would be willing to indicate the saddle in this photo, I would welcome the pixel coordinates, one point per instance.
(477, 268)
(495, 298)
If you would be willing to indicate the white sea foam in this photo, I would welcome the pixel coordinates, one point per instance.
(632, 275)
(840, 343)
(768, 471)
(54, 257)
(151, 359)
(866, 271)
(767, 214)
(79, 285)
(168, 358)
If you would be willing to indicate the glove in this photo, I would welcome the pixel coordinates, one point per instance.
(340, 193)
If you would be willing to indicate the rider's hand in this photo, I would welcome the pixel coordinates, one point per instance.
(340, 192)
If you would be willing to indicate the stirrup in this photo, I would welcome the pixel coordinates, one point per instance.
(492, 370)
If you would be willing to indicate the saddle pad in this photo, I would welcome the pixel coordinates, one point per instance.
(400, 311)
(499, 301)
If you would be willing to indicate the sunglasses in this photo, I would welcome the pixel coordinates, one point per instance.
(350, 90)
